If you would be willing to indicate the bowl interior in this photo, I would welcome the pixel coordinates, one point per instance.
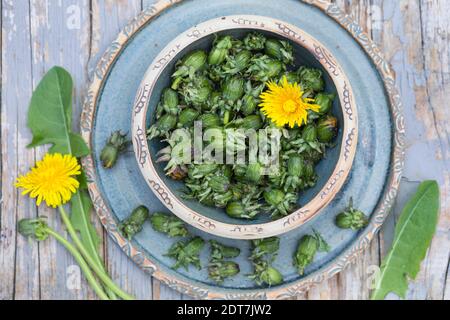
(324, 169)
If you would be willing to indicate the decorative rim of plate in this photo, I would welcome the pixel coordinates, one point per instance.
(202, 291)
(245, 231)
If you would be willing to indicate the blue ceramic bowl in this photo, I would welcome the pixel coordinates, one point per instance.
(332, 170)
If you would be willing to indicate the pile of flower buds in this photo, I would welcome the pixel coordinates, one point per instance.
(221, 88)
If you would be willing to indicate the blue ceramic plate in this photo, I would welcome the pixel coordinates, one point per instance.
(372, 182)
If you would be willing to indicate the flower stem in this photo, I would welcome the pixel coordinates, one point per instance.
(91, 246)
(99, 271)
(84, 267)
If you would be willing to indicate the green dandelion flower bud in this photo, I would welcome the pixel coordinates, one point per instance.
(220, 50)
(295, 166)
(170, 101)
(254, 172)
(325, 101)
(327, 129)
(168, 224)
(187, 117)
(311, 79)
(250, 122)
(209, 120)
(305, 253)
(134, 223)
(274, 197)
(220, 251)
(254, 41)
(272, 276)
(193, 62)
(352, 218)
(220, 270)
(249, 105)
(280, 50)
(309, 133)
(115, 145)
(233, 88)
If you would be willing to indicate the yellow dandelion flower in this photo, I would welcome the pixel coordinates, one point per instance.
(52, 179)
(284, 104)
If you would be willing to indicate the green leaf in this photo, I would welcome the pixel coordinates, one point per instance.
(323, 245)
(80, 218)
(50, 115)
(413, 234)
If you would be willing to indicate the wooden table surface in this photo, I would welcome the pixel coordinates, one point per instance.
(38, 34)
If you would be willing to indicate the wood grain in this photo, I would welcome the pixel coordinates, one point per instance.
(36, 35)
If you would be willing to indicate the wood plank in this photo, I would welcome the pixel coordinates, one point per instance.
(436, 52)
(60, 36)
(19, 263)
(108, 18)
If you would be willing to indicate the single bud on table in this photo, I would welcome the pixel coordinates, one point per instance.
(271, 276)
(134, 223)
(264, 273)
(265, 246)
(186, 253)
(305, 253)
(220, 270)
(168, 224)
(33, 228)
(220, 251)
(352, 218)
(115, 145)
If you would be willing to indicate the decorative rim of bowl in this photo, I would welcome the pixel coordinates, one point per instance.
(291, 290)
(259, 230)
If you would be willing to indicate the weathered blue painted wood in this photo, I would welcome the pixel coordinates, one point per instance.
(19, 263)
